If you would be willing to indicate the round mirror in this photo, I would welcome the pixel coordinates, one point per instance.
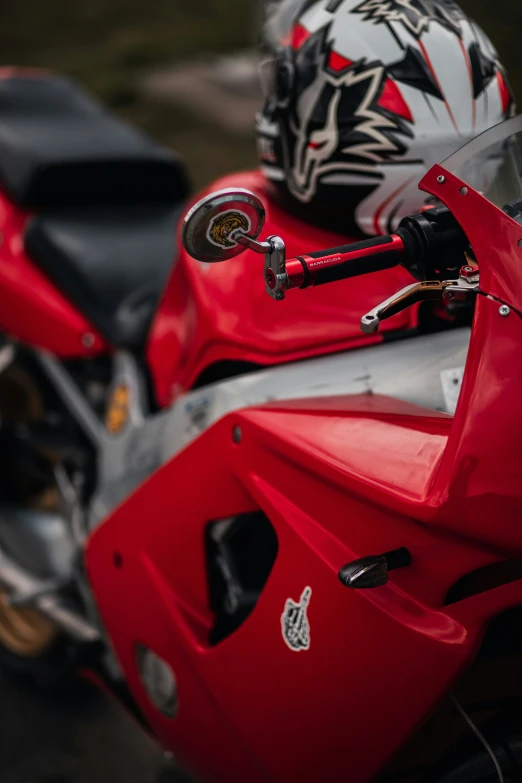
(208, 226)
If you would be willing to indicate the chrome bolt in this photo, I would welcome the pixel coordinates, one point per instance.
(441, 179)
(237, 434)
(504, 311)
(463, 191)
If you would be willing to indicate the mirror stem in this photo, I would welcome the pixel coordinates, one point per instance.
(276, 278)
(248, 242)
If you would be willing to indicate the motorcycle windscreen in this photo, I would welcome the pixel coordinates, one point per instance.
(492, 164)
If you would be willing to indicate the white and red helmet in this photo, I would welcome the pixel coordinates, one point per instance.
(364, 96)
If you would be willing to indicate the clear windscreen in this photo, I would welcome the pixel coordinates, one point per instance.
(492, 163)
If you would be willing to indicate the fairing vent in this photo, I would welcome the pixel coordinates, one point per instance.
(241, 551)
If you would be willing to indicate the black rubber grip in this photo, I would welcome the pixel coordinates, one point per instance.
(353, 246)
(358, 266)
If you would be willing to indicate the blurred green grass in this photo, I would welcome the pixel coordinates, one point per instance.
(107, 44)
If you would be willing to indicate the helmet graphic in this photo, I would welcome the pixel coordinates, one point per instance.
(363, 97)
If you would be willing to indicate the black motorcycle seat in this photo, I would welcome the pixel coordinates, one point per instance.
(112, 263)
(59, 148)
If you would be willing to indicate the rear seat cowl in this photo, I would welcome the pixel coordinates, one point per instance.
(60, 148)
(111, 262)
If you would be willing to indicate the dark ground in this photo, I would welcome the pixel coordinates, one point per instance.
(106, 44)
(84, 738)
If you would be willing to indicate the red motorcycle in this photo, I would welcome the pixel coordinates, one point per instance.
(283, 557)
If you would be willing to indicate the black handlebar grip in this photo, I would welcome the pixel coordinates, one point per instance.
(353, 246)
(358, 258)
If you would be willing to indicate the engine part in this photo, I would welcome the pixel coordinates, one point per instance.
(16, 580)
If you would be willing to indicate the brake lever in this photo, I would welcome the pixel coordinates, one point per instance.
(462, 289)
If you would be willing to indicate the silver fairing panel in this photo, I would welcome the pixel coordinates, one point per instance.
(415, 370)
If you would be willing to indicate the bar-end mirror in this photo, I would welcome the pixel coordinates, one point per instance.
(210, 229)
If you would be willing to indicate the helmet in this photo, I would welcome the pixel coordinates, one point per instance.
(363, 97)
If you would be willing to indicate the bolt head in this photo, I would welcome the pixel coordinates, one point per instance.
(270, 278)
(504, 311)
(237, 434)
(468, 271)
(441, 179)
(87, 340)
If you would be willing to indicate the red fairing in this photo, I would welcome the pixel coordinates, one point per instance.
(478, 489)
(339, 479)
(327, 473)
(32, 310)
(215, 312)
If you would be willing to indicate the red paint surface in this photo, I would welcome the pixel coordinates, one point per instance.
(393, 100)
(505, 93)
(32, 309)
(339, 479)
(479, 477)
(298, 36)
(212, 312)
(336, 62)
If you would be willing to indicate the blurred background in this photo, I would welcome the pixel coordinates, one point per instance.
(165, 64)
(184, 71)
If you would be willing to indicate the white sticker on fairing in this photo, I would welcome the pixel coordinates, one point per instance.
(451, 381)
(294, 622)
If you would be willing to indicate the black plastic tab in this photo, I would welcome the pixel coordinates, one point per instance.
(372, 571)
